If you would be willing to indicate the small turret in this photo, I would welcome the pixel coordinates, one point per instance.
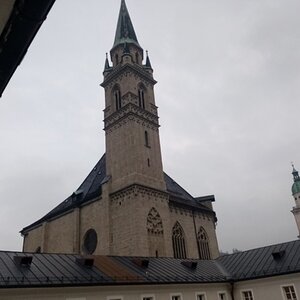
(148, 63)
(107, 67)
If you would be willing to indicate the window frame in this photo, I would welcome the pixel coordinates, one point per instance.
(176, 295)
(200, 294)
(223, 293)
(247, 290)
(117, 297)
(147, 296)
(283, 291)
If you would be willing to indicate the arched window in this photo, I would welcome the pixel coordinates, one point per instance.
(141, 91)
(117, 97)
(203, 244)
(147, 144)
(178, 240)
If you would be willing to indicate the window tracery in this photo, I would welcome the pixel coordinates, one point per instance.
(203, 244)
(154, 222)
(178, 240)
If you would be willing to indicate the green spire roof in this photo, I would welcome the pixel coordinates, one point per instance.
(125, 32)
(296, 185)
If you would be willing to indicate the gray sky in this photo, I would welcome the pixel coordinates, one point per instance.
(229, 100)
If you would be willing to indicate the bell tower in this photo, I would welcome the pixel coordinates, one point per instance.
(133, 154)
(296, 195)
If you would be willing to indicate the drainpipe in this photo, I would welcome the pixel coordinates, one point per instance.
(232, 289)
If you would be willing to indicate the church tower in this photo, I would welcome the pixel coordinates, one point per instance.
(133, 154)
(127, 205)
(296, 195)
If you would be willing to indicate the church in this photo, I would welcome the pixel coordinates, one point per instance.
(131, 232)
(127, 205)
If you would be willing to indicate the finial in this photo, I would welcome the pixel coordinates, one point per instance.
(148, 63)
(106, 65)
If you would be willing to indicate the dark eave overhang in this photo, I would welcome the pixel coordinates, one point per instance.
(24, 22)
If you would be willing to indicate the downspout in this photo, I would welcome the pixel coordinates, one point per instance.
(195, 228)
(232, 289)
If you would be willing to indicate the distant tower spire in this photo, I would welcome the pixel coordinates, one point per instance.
(296, 195)
(125, 32)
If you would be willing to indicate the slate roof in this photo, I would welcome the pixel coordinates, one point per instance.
(49, 270)
(263, 262)
(71, 270)
(91, 188)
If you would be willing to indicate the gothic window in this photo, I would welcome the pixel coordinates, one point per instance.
(178, 241)
(141, 91)
(154, 222)
(90, 241)
(203, 244)
(117, 97)
(147, 139)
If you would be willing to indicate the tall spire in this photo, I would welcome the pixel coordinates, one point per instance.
(125, 32)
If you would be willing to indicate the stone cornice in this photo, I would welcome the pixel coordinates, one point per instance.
(119, 70)
(138, 189)
(130, 110)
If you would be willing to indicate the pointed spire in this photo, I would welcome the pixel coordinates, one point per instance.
(295, 174)
(106, 65)
(148, 63)
(125, 32)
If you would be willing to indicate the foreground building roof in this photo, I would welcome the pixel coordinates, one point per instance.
(19, 23)
(19, 269)
(266, 261)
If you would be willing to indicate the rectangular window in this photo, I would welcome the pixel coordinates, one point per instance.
(114, 298)
(222, 296)
(200, 296)
(289, 292)
(247, 295)
(176, 297)
(148, 297)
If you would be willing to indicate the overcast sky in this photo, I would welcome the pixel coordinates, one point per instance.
(228, 94)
